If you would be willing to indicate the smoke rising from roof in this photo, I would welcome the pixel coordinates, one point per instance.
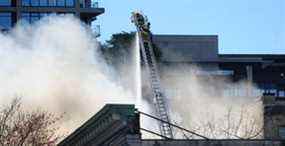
(54, 64)
(213, 106)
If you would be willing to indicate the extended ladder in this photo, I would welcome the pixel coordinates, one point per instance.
(146, 48)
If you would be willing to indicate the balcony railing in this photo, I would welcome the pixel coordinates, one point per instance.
(89, 4)
(95, 5)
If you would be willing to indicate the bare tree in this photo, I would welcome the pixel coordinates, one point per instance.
(19, 127)
(236, 124)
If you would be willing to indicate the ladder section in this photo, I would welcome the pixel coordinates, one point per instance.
(146, 48)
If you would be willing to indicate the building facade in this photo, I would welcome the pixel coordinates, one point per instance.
(274, 119)
(11, 11)
(119, 125)
(265, 71)
(110, 126)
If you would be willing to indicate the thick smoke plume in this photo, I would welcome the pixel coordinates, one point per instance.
(54, 64)
(212, 106)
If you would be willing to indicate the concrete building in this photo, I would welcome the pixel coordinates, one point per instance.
(11, 11)
(118, 125)
(266, 71)
(110, 126)
(274, 119)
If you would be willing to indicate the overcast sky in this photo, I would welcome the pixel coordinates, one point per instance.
(243, 26)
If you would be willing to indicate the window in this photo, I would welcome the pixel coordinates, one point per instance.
(5, 3)
(32, 17)
(35, 3)
(60, 3)
(43, 14)
(43, 3)
(282, 132)
(48, 3)
(69, 3)
(281, 94)
(25, 17)
(82, 3)
(52, 3)
(85, 3)
(25, 2)
(5, 20)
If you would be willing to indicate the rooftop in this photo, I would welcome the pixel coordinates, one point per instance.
(203, 48)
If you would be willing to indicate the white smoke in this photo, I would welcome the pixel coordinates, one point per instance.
(54, 64)
(210, 105)
(205, 104)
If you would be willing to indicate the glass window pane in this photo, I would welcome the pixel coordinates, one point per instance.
(82, 3)
(35, 17)
(43, 14)
(69, 3)
(5, 2)
(60, 3)
(87, 3)
(32, 17)
(52, 2)
(35, 14)
(35, 2)
(43, 2)
(25, 17)
(5, 20)
(282, 132)
(25, 2)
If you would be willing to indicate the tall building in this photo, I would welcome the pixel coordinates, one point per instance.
(11, 11)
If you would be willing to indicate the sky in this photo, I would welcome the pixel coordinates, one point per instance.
(243, 26)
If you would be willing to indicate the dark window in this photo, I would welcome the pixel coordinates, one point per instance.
(5, 2)
(5, 20)
(82, 3)
(85, 3)
(282, 132)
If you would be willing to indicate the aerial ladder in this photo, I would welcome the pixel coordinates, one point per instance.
(149, 61)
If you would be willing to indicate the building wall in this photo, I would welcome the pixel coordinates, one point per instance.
(187, 48)
(210, 143)
(274, 117)
(32, 10)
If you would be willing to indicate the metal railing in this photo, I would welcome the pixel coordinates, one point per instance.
(89, 4)
(171, 124)
(94, 4)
